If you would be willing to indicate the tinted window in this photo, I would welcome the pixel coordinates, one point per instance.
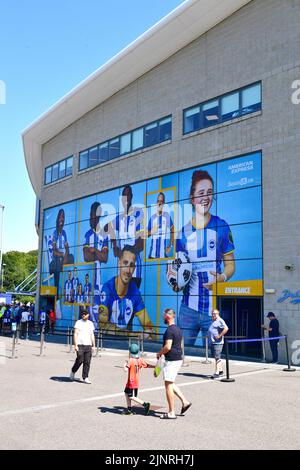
(151, 134)
(83, 160)
(210, 112)
(192, 119)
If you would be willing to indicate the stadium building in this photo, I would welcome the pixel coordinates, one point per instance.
(170, 178)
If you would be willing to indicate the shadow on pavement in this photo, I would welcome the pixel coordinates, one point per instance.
(64, 379)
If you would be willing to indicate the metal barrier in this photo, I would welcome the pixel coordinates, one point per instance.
(288, 369)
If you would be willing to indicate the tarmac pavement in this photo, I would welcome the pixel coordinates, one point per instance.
(40, 408)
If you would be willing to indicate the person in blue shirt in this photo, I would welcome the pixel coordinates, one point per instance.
(161, 231)
(128, 229)
(207, 241)
(87, 290)
(60, 246)
(95, 248)
(121, 300)
(216, 332)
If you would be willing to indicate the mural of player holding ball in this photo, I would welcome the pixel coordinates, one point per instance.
(206, 243)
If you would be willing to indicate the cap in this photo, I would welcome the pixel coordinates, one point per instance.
(134, 350)
(84, 312)
(270, 314)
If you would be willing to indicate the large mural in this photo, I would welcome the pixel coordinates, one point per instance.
(178, 241)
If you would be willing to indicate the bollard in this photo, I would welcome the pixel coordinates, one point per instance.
(141, 344)
(18, 334)
(184, 364)
(97, 345)
(207, 361)
(288, 369)
(68, 339)
(13, 327)
(263, 346)
(26, 331)
(42, 340)
(227, 379)
(71, 342)
(101, 340)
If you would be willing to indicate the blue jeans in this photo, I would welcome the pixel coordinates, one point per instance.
(191, 322)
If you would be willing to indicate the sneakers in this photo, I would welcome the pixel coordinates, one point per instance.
(146, 408)
(221, 373)
(72, 376)
(128, 412)
(87, 381)
(216, 376)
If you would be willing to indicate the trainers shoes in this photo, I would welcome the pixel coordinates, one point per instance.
(87, 381)
(128, 412)
(146, 408)
(72, 376)
(221, 372)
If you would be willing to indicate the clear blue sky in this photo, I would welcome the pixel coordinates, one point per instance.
(46, 48)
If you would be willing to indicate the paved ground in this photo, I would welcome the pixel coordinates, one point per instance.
(41, 409)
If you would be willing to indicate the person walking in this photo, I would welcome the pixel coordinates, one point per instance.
(172, 350)
(133, 367)
(216, 332)
(273, 330)
(52, 320)
(84, 341)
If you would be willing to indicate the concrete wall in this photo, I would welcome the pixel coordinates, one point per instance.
(259, 42)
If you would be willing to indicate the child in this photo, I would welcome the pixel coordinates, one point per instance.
(133, 366)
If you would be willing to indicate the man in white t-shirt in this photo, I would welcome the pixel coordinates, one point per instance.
(84, 341)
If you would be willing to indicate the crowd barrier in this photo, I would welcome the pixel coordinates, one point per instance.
(228, 341)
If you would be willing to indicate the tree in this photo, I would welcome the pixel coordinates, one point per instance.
(18, 266)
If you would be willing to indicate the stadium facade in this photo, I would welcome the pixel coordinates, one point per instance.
(186, 141)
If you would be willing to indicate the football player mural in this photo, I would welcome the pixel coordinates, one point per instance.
(178, 241)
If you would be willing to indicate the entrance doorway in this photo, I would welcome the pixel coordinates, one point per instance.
(243, 317)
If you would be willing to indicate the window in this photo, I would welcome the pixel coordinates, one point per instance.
(230, 106)
(103, 152)
(151, 134)
(125, 143)
(69, 169)
(165, 129)
(251, 99)
(48, 173)
(191, 120)
(59, 170)
(55, 172)
(93, 156)
(210, 112)
(114, 148)
(83, 160)
(137, 139)
(62, 169)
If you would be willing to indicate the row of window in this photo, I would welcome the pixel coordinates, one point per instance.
(230, 106)
(59, 170)
(145, 136)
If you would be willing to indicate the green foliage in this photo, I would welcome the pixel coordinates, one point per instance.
(18, 266)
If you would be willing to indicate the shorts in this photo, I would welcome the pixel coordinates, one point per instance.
(171, 369)
(131, 392)
(216, 350)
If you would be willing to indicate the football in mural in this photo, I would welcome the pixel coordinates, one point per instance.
(179, 271)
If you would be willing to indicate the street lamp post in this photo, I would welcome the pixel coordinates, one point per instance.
(2, 274)
(1, 235)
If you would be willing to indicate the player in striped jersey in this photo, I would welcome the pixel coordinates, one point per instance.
(75, 284)
(60, 248)
(80, 295)
(161, 231)
(128, 229)
(87, 290)
(208, 242)
(121, 300)
(96, 247)
(68, 288)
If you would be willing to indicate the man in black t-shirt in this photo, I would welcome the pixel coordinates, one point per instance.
(173, 360)
(273, 330)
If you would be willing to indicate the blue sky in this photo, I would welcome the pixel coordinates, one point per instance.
(47, 48)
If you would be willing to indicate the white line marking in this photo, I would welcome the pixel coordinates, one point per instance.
(33, 409)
